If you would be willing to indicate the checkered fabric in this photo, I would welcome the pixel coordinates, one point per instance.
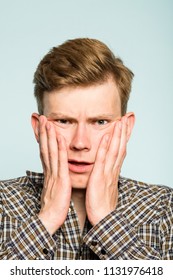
(141, 227)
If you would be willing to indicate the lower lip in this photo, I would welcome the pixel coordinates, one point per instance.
(77, 168)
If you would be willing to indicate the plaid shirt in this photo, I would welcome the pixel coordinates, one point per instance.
(141, 227)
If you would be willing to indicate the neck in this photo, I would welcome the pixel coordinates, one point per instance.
(78, 198)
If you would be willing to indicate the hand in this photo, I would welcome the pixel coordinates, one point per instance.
(56, 194)
(102, 187)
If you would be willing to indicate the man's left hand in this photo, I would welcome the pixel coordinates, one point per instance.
(102, 187)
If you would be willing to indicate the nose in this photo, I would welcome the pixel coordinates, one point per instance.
(80, 140)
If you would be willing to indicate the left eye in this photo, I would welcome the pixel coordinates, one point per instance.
(62, 121)
(102, 122)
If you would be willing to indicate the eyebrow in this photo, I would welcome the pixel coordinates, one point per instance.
(65, 116)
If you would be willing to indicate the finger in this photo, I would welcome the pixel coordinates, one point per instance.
(123, 145)
(63, 171)
(99, 165)
(114, 146)
(43, 145)
(52, 149)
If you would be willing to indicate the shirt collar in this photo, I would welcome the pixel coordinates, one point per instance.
(125, 185)
(35, 177)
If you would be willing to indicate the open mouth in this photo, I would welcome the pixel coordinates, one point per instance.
(79, 166)
(79, 162)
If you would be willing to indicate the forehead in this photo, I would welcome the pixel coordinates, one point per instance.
(98, 99)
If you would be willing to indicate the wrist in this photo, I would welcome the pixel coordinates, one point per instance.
(48, 223)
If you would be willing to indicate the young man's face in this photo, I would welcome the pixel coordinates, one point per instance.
(83, 115)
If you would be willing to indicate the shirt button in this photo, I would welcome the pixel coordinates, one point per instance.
(94, 243)
(103, 252)
(45, 251)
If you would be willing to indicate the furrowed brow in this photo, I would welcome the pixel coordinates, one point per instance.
(59, 115)
(91, 118)
(102, 116)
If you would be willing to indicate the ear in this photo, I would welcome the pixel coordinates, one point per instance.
(35, 125)
(131, 121)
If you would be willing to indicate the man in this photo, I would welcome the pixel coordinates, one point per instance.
(81, 208)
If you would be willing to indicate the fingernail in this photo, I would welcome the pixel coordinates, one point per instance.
(120, 124)
(48, 125)
(125, 120)
(41, 119)
(107, 137)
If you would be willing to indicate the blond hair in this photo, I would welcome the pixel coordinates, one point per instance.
(81, 62)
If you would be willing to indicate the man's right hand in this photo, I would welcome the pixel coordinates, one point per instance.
(56, 194)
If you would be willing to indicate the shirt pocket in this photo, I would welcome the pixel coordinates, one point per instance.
(149, 234)
(8, 225)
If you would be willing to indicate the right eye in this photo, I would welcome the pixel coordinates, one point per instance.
(62, 121)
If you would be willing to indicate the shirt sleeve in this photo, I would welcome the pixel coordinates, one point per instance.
(147, 235)
(115, 238)
(167, 230)
(28, 241)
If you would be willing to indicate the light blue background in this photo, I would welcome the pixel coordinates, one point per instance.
(139, 31)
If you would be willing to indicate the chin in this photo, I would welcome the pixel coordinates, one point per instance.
(78, 187)
(79, 181)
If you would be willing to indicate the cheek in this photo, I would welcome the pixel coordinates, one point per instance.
(108, 130)
(98, 135)
(95, 136)
(65, 133)
(95, 142)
